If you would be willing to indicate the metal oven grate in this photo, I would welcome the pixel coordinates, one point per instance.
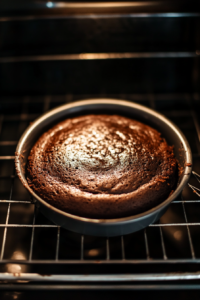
(166, 254)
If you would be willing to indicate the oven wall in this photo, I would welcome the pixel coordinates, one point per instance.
(163, 50)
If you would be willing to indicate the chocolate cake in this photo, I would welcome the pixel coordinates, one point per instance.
(102, 166)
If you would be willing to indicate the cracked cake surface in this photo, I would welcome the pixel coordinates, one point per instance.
(102, 166)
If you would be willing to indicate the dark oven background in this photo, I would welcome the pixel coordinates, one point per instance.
(51, 54)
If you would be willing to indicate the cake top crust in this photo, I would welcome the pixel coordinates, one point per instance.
(99, 154)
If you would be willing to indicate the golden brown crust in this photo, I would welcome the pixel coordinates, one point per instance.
(102, 166)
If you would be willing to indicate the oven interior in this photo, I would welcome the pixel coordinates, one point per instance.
(52, 53)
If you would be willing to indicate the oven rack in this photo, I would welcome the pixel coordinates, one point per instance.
(165, 254)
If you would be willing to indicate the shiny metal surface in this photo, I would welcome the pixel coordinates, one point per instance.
(98, 56)
(100, 227)
(70, 8)
(31, 277)
(194, 188)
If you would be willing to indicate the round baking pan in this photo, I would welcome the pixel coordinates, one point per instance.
(105, 227)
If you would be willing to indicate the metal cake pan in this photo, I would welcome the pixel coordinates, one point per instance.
(105, 227)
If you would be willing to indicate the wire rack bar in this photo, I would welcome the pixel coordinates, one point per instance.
(7, 177)
(68, 98)
(56, 226)
(82, 247)
(186, 201)
(8, 210)
(47, 100)
(188, 231)
(196, 123)
(26, 117)
(5, 232)
(30, 202)
(82, 16)
(152, 261)
(1, 122)
(8, 143)
(31, 117)
(29, 225)
(122, 247)
(175, 224)
(7, 157)
(57, 243)
(163, 244)
(97, 56)
(99, 287)
(197, 176)
(32, 234)
(146, 244)
(7, 219)
(153, 106)
(131, 96)
(15, 201)
(101, 278)
(152, 101)
(107, 249)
